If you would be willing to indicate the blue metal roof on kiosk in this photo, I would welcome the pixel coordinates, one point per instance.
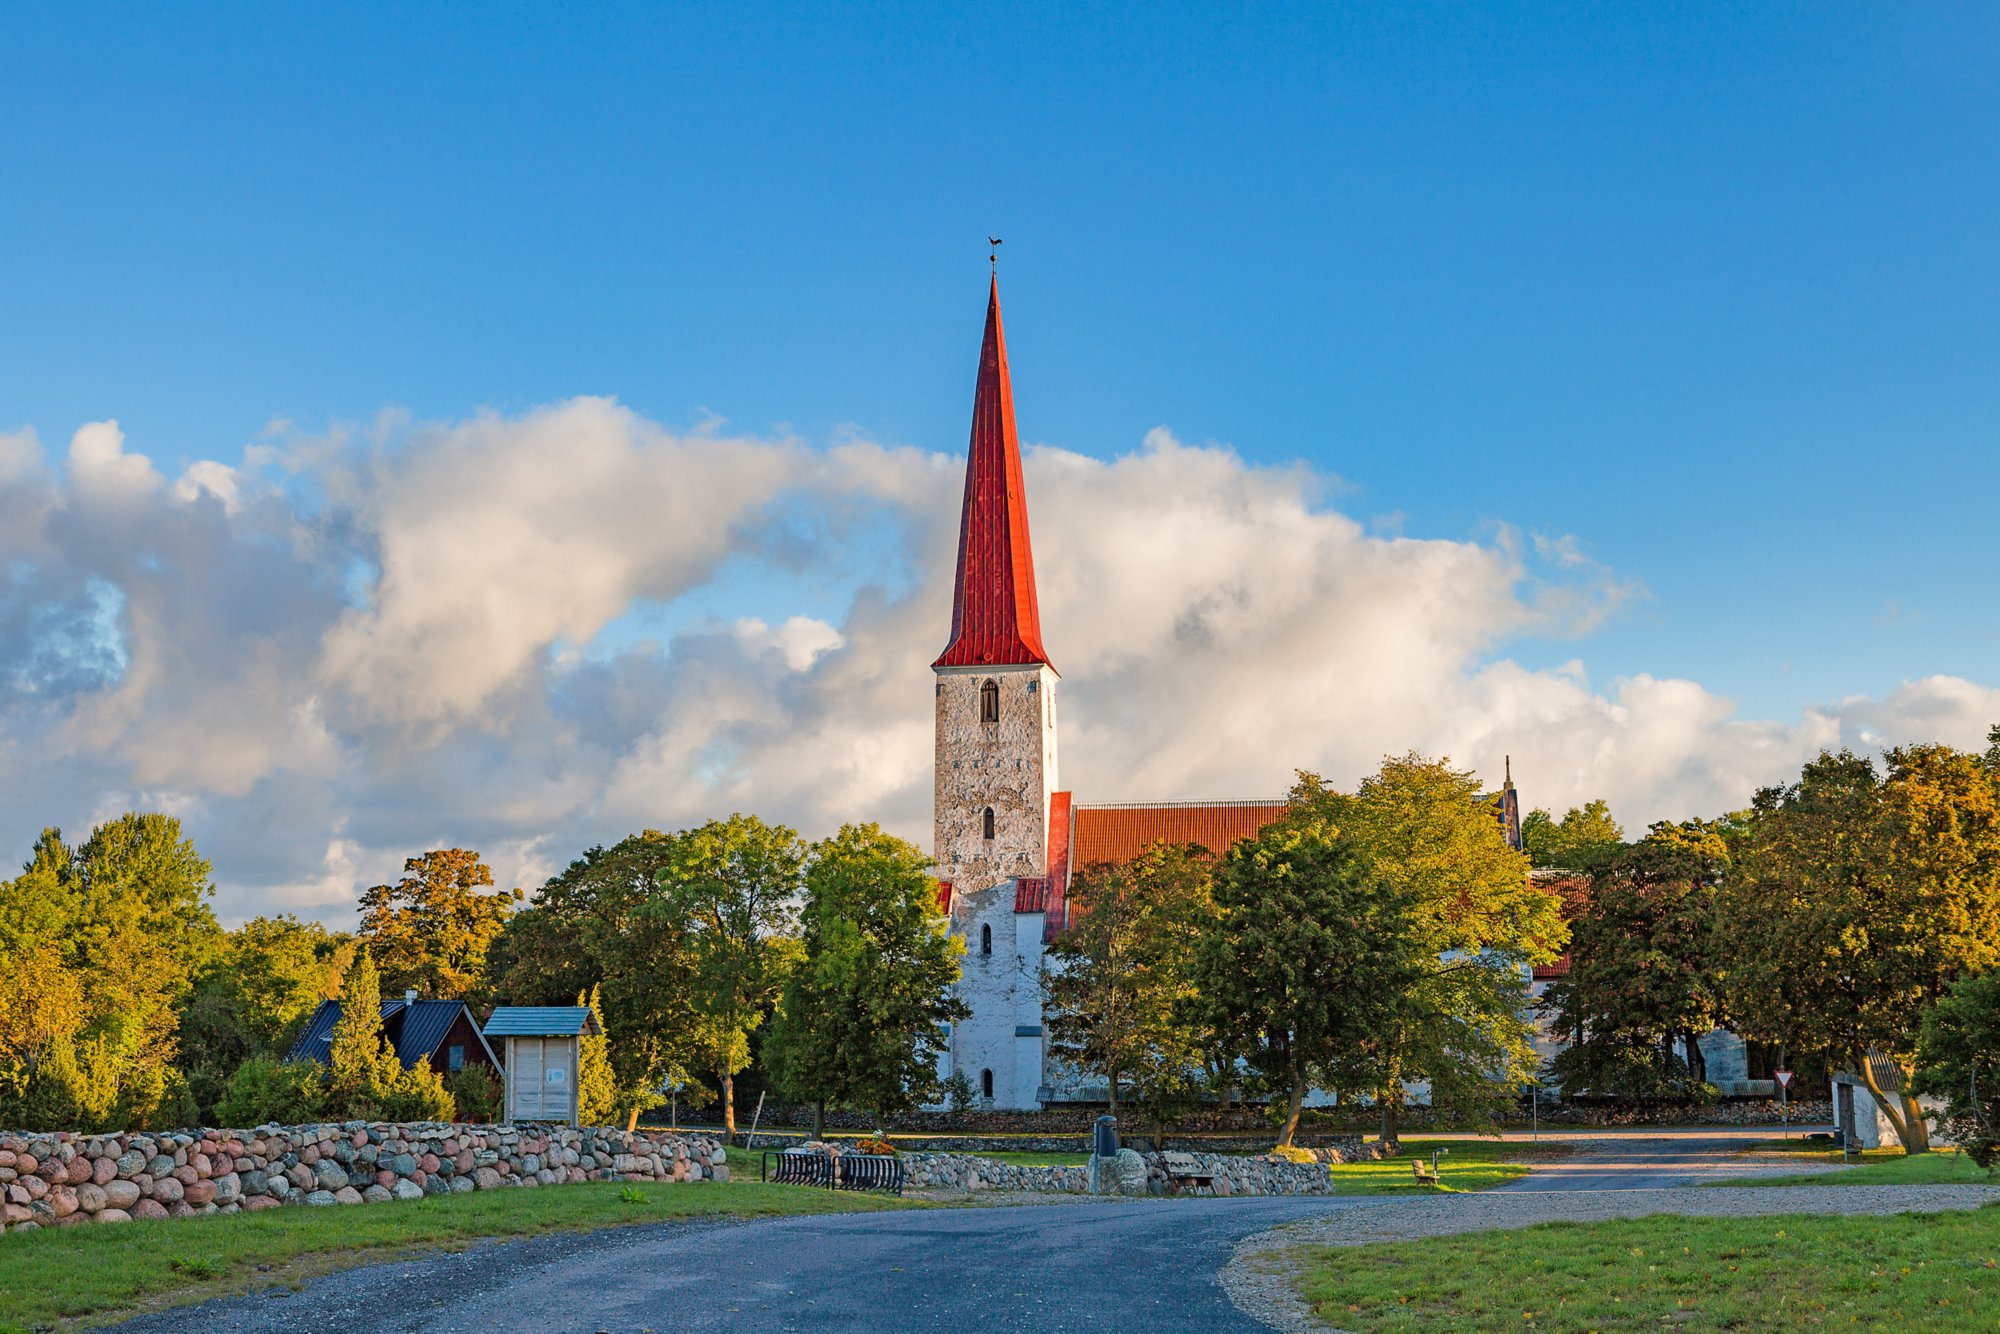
(541, 1021)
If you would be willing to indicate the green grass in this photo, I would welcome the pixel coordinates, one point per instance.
(1469, 1165)
(1878, 1167)
(1934, 1272)
(60, 1273)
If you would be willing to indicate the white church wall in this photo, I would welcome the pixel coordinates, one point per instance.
(999, 988)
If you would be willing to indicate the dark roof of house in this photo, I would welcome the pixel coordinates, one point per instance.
(414, 1028)
(540, 1021)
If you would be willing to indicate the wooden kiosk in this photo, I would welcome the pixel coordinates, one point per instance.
(542, 1047)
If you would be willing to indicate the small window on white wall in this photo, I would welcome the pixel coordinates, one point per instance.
(986, 939)
(986, 1083)
(989, 702)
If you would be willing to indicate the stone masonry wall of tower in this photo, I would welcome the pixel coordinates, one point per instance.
(1008, 765)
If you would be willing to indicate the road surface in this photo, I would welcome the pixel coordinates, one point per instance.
(1071, 1266)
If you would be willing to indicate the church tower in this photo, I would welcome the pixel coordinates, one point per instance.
(996, 699)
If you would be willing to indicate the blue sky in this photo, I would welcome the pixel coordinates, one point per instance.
(1713, 289)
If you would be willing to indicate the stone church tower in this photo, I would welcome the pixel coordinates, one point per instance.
(996, 696)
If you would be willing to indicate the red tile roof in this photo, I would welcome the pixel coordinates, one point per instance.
(1119, 833)
(994, 617)
(944, 897)
(1031, 894)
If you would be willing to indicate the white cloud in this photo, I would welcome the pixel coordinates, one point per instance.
(384, 640)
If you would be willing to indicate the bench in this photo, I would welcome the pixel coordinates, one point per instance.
(1186, 1173)
(1425, 1176)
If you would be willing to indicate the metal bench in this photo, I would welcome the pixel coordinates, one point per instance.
(1183, 1172)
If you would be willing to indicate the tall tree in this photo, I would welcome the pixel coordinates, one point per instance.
(1429, 836)
(1958, 1061)
(864, 1009)
(733, 887)
(596, 1086)
(1581, 840)
(1642, 975)
(1306, 960)
(1121, 981)
(431, 929)
(605, 919)
(364, 1066)
(126, 916)
(1855, 900)
(253, 997)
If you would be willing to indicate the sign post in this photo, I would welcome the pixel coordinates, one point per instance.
(1784, 1100)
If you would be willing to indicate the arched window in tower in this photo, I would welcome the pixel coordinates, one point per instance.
(986, 1083)
(986, 938)
(989, 702)
(989, 822)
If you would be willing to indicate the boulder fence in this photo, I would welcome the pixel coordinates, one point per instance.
(59, 1180)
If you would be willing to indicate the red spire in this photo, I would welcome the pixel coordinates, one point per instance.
(994, 619)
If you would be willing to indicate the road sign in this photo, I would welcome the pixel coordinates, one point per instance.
(1784, 1078)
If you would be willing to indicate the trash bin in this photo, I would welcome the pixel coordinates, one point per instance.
(1104, 1143)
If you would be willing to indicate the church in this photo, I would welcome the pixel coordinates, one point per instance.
(1007, 833)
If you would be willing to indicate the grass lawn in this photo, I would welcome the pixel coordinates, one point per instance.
(1910, 1271)
(57, 1273)
(1469, 1165)
(1877, 1167)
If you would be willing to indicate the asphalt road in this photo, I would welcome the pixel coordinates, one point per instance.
(1073, 1266)
(1142, 1265)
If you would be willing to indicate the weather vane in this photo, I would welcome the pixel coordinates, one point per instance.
(994, 241)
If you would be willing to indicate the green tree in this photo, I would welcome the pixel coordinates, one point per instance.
(596, 1086)
(1855, 901)
(1429, 837)
(605, 919)
(733, 887)
(126, 918)
(431, 929)
(364, 1068)
(1122, 982)
(1580, 841)
(864, 1009)
(1958, 1060)
(1642, 974)
(253, 997)
(1306, 960)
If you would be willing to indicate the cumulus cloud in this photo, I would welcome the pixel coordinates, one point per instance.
(525, 634)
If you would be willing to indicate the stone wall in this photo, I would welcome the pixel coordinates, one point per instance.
(1141, 1173)
(62, 1179)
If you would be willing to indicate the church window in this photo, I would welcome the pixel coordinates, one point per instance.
(989, 822)
(986, 1082)
(986, 939)
(989, 702)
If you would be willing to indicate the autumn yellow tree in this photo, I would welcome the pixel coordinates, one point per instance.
(431, 929)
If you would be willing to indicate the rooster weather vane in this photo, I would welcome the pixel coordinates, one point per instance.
(994, 241)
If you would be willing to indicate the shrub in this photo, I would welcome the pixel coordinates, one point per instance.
(263, 1090)
(417, 1094)
(1291, 1153)
(477, 1092)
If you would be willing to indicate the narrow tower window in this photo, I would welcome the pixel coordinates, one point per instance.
(986, 939)
(989, 822)
(989, 702)
(986, 1082)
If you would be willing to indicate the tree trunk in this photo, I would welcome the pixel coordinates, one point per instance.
(631, 1120)
(1697, 1063)
(728, 1102)
(1112, 1073)
(819, 1120)
(1390, 1127)
(1292, 1109)
(1906, 1118)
